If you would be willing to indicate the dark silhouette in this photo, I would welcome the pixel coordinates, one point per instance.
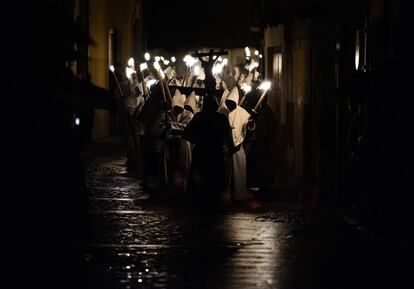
(210, 133)
(150, 116)
(258, 143)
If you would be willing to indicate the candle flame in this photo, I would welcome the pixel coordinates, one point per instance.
(256, 52)
(189, 60)
(247, 50)
(246, 88)
(260, 56)
(157, 65)
(112, 68)
(143, 66)
(131, 62)
(147, 56)
(129, 71)
(173, 59)
(265, 85)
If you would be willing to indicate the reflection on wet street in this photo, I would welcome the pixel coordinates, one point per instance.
(140, 241)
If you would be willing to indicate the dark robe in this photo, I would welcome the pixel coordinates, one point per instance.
(258, 144)
(209, 132)
(149, 116)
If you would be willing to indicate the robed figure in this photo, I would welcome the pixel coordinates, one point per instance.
(209, 132)
(258, 144)
(236, 165)
(177, 153)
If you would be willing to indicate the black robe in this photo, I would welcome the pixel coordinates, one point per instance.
(258, 144)
(210, 133)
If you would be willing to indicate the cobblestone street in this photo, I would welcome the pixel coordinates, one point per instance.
(141, 241)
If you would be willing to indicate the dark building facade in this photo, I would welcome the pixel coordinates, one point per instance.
(338, 83)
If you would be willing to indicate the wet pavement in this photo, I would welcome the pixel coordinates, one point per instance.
(138, 240)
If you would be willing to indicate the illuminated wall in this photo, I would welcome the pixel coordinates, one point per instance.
(104, 15)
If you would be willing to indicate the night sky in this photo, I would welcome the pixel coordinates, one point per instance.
(192, 24)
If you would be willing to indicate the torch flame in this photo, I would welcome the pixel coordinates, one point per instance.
(189, 60)
(157, 65)
(246, 88)
(143, 66)
(265, 85)
(247, 49)
(129, 71)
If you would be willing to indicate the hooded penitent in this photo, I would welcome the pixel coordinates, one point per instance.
(237, 118)
(222, 107)
(236, 173)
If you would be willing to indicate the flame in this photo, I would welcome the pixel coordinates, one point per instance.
(147, 56)
(112, 68)
(189, 60)
(166, 62)
(260, 56)
(129, 71)
(157, 65)
(256, 52)
(173, 59)
(143, 66)
(247, 49)
(246, 88)
(131, 62)
(265, 85)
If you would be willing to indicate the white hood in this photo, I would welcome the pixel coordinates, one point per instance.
(234, 95)
(191, 101)
(178, 99)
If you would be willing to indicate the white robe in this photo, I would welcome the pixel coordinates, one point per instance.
(178, 123)
(238, 122)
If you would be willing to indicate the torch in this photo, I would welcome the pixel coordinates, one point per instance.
(265, 86)
(112, 69)
(246, 88)
(142, 67)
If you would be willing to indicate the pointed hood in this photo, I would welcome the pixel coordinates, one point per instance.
(191, 101)
(178, 99)
(223, 98)
(234, 95)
